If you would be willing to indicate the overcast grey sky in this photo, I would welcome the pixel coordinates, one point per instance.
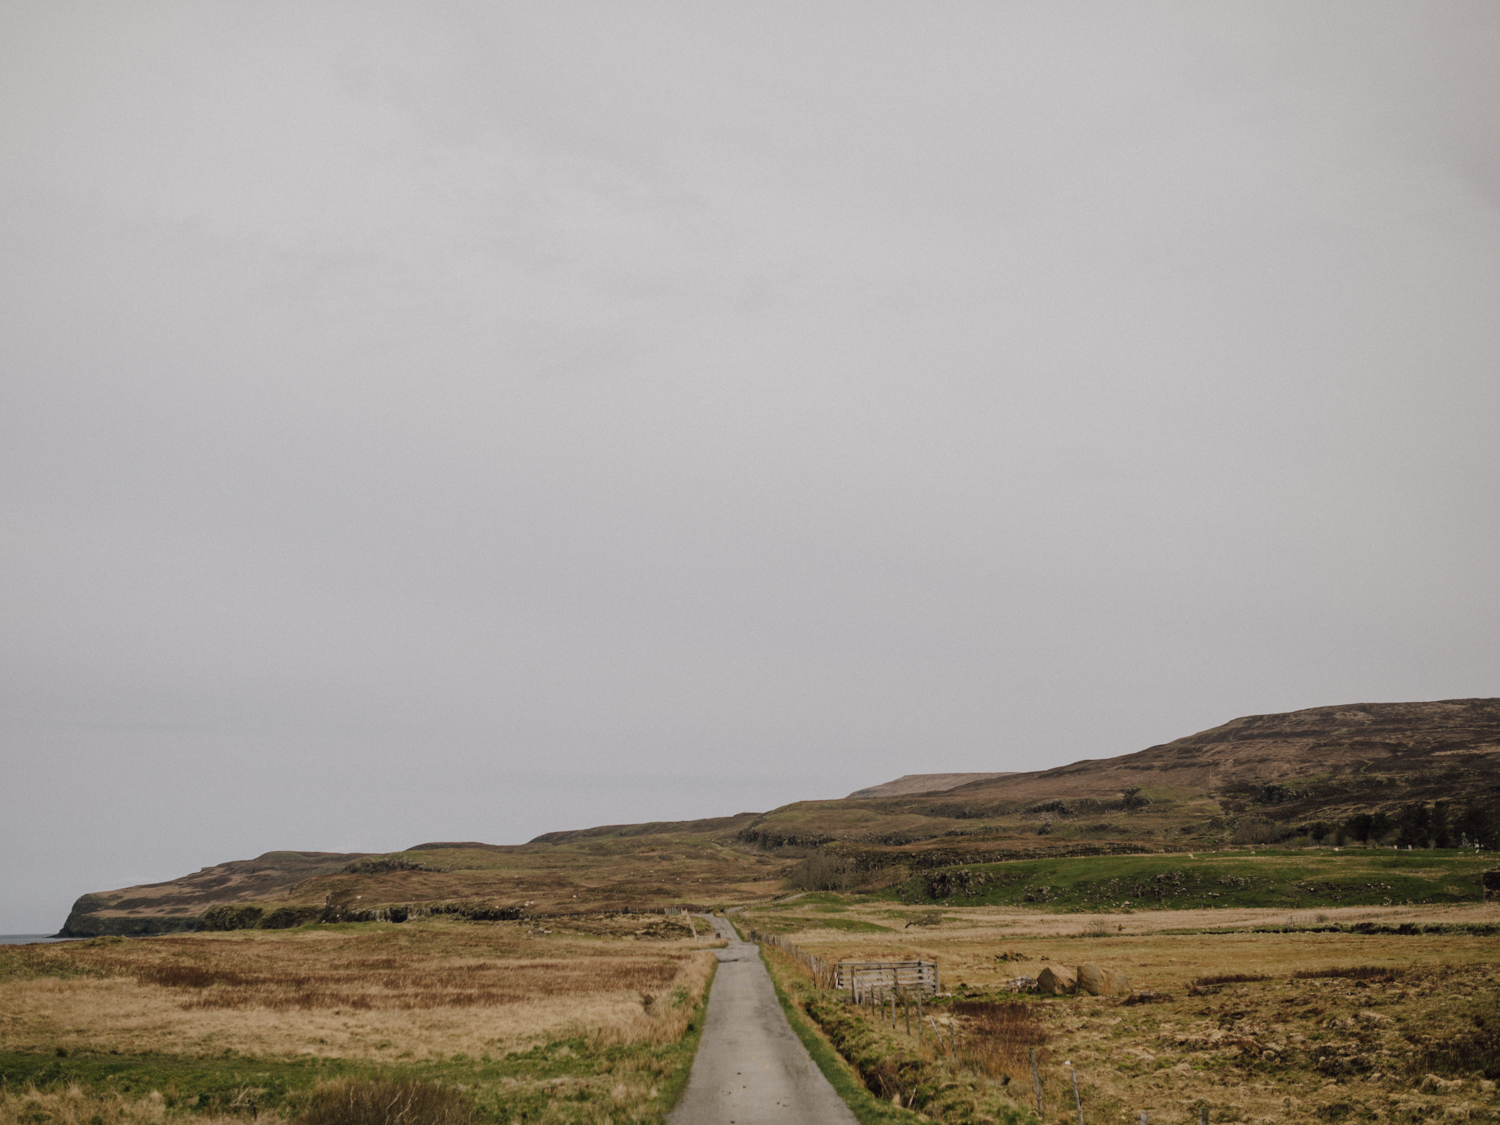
(466, 420)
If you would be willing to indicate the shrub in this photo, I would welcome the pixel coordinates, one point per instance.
(287, 917)
(823, 871)
(383, 1101)
(232, 917)
(1259, 832)
(477, 911)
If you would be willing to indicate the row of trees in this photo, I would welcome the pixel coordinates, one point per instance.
(1417, 826)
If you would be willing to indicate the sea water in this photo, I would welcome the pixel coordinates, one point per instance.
(31, 939)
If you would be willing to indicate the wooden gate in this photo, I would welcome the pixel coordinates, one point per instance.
(888, 976)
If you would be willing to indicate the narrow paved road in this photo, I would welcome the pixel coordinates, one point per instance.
(751, 1068)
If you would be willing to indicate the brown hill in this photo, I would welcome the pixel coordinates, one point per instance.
(923, 783)
(1413, 772)
(179, 904)
(1288, 769)
(626, 867)
(1349, 742)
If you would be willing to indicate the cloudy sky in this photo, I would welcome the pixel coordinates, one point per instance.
(466, 420)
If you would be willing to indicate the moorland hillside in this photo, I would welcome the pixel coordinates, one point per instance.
(1404, 774)
(1282, 771)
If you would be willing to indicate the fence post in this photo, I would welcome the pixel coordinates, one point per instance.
(1077, 1098)
(1036, 1081)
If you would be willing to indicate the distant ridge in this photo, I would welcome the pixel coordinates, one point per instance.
(922, 783)
(1422, 774)
(1348, 741)
(177, 904)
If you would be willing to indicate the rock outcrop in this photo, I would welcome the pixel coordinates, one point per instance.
(1094, 981)
(180, 904)
(1057, 980)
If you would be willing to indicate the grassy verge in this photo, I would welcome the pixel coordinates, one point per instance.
(675, 1080)
(869, 1109)
(1297, 879)
(854, 1052)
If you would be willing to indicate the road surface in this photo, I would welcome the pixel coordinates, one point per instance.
(751, 1068)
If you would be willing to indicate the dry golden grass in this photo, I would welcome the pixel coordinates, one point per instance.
(1157, 947)
(1005, 921)
(998, 1034)
(77, 1106)
(388, 1101)
(1311, 1041)
(373, 992)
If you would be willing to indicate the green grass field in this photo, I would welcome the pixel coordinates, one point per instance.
(564, 1080)
(572, 1077)
(516, 1085)
(767, 921)
(1298, 879)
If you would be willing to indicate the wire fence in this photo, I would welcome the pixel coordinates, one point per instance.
(824, 973)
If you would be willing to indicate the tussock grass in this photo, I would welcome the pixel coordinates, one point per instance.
(458, 1024)
(996, 1036)
(76, 1105)
(378, 992)
(409, 983)
(387, 1101)
(1472, 1047)
(1227, 978)
(1354, 972)
(1328, 1019)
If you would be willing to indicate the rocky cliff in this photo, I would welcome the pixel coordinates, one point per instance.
(179, 904)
